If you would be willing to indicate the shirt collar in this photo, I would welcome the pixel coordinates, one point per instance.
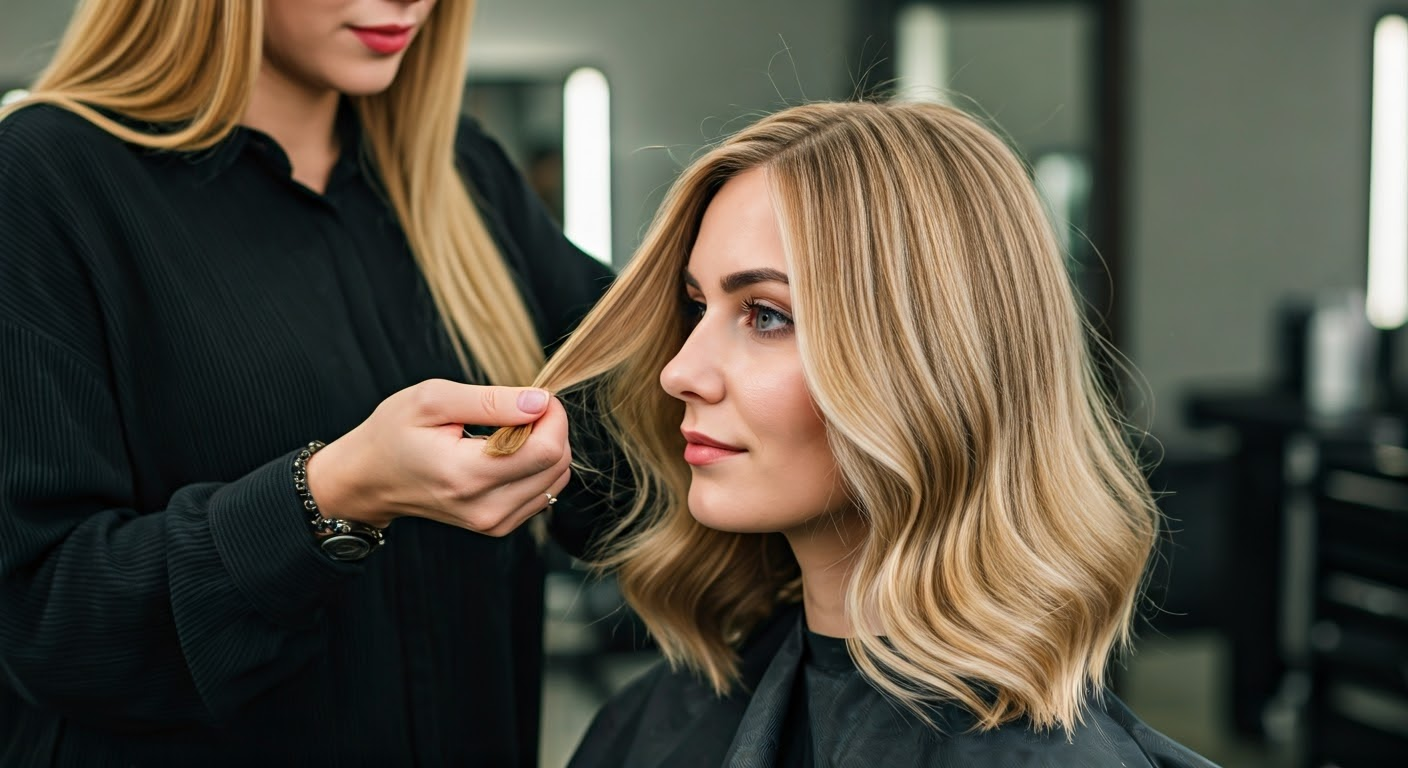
(211, 163)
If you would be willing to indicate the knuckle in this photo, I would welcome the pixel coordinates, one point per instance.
(424, 396)
(489, 399)
(546, 456)
(457, 491)
(463, 488)
(481, 521)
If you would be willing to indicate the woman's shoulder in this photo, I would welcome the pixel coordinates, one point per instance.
(49, 144)
(670, 716)
(490, 174)
(481, 154)
(679, 684)
(46, 128)
(1160, 749)
(1109, 735)
(470, 137)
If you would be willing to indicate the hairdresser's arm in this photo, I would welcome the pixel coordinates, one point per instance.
(137, 620)
(132, 613)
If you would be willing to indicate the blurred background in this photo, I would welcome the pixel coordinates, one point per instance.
(1231, 181)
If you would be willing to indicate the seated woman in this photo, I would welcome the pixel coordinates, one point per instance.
(884, 515)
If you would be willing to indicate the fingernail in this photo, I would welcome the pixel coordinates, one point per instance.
(532, 400)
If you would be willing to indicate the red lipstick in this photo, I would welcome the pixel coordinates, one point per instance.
(700, 449)
(386, 39)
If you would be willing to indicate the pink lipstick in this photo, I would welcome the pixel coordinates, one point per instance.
(385, 40)
(700, 449)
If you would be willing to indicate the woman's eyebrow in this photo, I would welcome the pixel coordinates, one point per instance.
(742, 279)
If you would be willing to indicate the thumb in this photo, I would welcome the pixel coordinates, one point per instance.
(447, 402)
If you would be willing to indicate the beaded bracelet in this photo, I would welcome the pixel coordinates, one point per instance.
(344, 539)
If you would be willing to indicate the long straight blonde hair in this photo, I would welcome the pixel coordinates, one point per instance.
(1008, 524)
(190, 66)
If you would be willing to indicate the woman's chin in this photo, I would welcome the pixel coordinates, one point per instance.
(366, 78)
(718, 523)
(731, 517)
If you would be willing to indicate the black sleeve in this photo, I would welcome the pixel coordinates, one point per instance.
(129, 618)
(562, 285)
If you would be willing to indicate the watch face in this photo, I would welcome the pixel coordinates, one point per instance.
(346, 546)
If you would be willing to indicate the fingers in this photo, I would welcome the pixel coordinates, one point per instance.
(535, 504)
(507, 440)
(543, 444)
(519, 483)
(439, 401)
(550, 432)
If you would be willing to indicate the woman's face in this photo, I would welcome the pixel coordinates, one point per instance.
(349, 46)
(756, 445)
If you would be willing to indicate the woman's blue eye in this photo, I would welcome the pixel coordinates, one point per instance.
(769, 320)
(766, 321)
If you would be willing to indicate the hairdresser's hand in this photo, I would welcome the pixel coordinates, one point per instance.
(411, 458)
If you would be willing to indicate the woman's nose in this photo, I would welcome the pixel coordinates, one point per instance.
(693, 372)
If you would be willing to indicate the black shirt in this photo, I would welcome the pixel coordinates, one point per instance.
(174, 327)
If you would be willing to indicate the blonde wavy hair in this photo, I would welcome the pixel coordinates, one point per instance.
(1008, 523)
(190, 65)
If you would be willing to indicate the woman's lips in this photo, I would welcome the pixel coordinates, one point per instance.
(700, 449)
(699, 455)
(384, 40)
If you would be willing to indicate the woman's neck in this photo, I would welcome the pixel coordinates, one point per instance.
(301, 119)
(826, 549)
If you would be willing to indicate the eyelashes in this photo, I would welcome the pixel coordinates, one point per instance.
(766, 321)
(762, 320)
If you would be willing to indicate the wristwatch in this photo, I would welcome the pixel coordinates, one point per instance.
(341, 540)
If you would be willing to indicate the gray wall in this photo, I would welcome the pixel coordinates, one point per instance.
(29, 31)
(1043, 98)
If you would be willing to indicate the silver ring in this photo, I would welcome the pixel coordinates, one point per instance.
(551, 498)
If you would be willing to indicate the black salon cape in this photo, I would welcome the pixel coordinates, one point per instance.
(173, 328)
(671, 719)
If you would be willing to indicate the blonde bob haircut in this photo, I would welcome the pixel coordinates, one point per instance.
(190, 66)
(1008, 524)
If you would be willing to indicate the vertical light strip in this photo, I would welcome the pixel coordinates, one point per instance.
(921, 53)
(1387, 291)
(586, 162)
(1064, 183)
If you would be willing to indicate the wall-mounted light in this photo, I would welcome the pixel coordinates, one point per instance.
(586, 162)
(1387, 291)
(1063, 179)
(921, 53)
